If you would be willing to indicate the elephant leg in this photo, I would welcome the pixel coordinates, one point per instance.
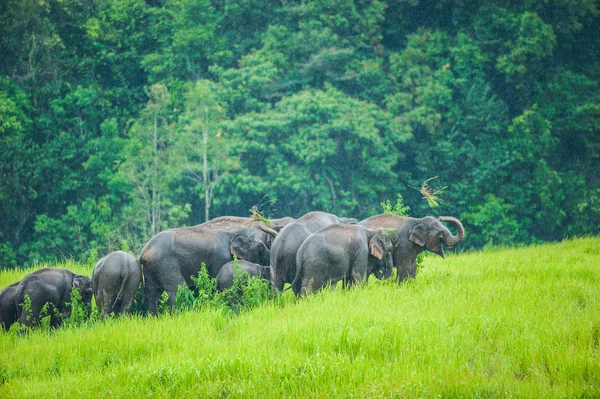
(126, 307)
(403, 271)
(101, 303)
(152, 294)
(56, 320)
(128, 301)
(173, 297)
(278, 282)
(358, 275)
(29, 317)
(116, 306)
(310, 285)
(412, 271)
(297, 287)
(171, 286)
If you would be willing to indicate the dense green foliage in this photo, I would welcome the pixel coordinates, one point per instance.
(122, 118)
(247, 292)
(500, 323)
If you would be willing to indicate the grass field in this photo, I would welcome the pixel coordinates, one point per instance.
(501, 323)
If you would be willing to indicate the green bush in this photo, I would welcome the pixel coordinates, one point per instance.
(246, 293)
(80, 311)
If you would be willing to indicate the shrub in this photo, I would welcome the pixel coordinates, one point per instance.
(206, 287)
(246, 293)
(80, 311)
(398, 209)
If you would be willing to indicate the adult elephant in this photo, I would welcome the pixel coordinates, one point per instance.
(226, 275)
(286, 244)
(173, 256)
(349, 253)
(8, 306)
(115, 280)
(411, 236)
(51, 286)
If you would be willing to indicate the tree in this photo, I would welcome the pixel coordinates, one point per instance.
(201, 145)
(317, 150)
(147, 165)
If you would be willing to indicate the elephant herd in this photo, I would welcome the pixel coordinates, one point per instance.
(308, 253)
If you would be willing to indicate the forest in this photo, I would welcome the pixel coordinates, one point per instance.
(122, 118)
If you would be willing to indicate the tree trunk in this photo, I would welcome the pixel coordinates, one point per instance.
(207, 193)
(153, 204)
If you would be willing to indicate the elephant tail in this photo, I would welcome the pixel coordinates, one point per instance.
(116, 307)
(295, 283)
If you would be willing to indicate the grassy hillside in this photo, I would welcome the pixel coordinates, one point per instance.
(503, 323)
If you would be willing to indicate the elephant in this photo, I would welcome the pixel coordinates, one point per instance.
(285, 245)
(115, 280)
(350, 253)
(173, 256)
(227, 273)
(50, 285)
(412, 236)
(8, 307)
(264, 232)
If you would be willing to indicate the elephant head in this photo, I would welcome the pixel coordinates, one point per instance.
(265, 272)
(247, 246)
(84, 285)
(429, 233)
(381, 247)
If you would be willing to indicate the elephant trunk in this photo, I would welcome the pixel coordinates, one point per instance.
(448, 238)
(383, 270)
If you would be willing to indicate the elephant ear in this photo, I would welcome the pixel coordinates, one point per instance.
(418, 235)
(240, 245)
(376, 247)
(78, 282)
(83, 284)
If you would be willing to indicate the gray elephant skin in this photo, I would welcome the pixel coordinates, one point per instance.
(173, 256)
(227, 273)
(290, 238)
(412, 236)
(8, 306)
(115, 280)
(342, 252)
(264, 232)
(53, 286)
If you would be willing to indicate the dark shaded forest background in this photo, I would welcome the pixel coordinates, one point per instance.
(122, 118)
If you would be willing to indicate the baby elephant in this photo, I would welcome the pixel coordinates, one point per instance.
(115, 281)
(50, 285)
(8, 307)
(227, 272)
(342, 252)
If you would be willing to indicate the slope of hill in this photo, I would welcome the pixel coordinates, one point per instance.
(502, 323)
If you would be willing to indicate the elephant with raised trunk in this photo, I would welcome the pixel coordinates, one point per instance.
(52, 286)
(342, 252)
(227, 273)
(288, 241)
(411, 236)
(173, 256)
(8, 306)
(115, 280)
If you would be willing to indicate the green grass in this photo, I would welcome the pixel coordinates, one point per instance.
(502, 323)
